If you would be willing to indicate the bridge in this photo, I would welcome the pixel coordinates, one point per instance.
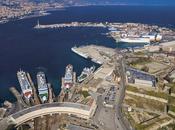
(82, 111)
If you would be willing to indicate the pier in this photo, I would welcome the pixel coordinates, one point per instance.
(20, 101)
(36, 98)
(72, 24)
(97, 54)
(50, 98)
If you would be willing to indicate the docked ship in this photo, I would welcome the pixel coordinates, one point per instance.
(42, 86)
(68, 77)
(153, 37)
(112, 29)
(24, 84)
(68, 81)
(85, 73)
(134, 40)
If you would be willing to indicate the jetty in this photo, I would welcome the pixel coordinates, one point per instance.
(21, 103)
(72, 24)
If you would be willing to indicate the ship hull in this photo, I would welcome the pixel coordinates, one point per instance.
(139, 40)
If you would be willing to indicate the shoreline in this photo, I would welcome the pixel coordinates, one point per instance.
(170, 26)
(31, 15)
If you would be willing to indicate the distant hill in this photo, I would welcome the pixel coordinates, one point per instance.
(107, 2)
(79, 2)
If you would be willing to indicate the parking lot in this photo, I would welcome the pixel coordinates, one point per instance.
(110, 96)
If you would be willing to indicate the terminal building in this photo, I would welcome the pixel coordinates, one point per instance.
(140, 78)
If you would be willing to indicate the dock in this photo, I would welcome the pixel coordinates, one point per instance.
(36, 98)
(72, 24)
(97, 54)
(50, 98)
(20, 101)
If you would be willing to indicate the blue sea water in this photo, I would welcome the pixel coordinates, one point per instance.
(29, 49)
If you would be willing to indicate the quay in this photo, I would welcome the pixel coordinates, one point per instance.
(97, 54)
(123, 32)
(20, 101)
(72, 24)
(36, 98)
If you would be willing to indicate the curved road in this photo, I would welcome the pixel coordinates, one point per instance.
(27, 114)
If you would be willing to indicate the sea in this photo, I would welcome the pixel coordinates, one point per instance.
(49, 50)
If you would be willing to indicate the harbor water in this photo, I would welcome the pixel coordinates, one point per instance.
(49, 50)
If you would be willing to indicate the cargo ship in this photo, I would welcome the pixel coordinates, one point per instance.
(147, 38)
(134, 40)
(68, 78)
(154, 37)
(24, 84)
(42, 86)
(85, 73)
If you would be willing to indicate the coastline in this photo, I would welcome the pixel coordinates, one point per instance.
(31, 15)
(13, 80)
(49, 10)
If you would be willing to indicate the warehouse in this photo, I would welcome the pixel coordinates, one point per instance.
(138, 77)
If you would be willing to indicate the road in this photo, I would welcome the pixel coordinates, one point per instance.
(121, 122)
(24, 115)
(104, 116)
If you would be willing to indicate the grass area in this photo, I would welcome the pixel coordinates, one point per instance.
(142, 61)
(141, 102)
(150, 125)
(150, 93)
(140, 127)
(134, 124)
(139, 53)
(132, 88)
(172, 108)
(132, 102)
(171, 100)
(84, 93)
(163, 120)
(172, 126)
(129, 117)
(157, 94)
(172, 86)
(171, 103)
